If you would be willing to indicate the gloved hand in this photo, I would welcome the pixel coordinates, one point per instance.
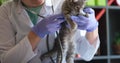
(48, 25)
(86, 23)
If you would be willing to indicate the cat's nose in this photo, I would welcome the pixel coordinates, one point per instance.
(77, 14)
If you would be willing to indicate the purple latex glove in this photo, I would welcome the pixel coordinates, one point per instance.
(86, 23)
(48, 25)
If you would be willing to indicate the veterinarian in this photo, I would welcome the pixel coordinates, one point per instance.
(23, 34)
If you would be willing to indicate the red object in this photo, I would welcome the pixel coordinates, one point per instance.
(77, 55)
(99, 15)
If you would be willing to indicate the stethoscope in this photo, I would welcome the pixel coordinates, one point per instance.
(47, 38)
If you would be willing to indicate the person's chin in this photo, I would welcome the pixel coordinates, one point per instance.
(38, 2)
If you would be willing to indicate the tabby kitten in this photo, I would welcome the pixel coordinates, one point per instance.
(64, 45)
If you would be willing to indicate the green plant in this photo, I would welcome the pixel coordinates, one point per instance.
(117, 39)
(2, 1)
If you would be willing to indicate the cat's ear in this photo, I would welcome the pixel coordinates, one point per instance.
(72, 0)
(75, 0)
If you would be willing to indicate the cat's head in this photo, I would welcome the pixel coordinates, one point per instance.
(76, 0)
(76, 5)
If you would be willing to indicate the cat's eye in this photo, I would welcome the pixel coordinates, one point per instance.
(77, 7)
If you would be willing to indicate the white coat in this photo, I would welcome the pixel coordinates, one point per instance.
(15, 25)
